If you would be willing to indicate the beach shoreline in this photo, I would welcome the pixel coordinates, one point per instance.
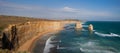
(28, 46)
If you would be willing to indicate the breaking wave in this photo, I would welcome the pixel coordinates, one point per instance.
(94, 47)
(58, 47)
(48, 45)
(108, 35)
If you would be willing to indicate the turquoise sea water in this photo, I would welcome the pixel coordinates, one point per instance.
(104, 39)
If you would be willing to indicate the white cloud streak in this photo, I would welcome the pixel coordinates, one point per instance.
(84, 12)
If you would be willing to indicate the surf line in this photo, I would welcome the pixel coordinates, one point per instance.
(48, 45)
(108, 35)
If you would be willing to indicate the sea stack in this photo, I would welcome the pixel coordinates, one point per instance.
(78, 25)
(90, 27)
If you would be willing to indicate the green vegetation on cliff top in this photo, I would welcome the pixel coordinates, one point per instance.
(6, 20)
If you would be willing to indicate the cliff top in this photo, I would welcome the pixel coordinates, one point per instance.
(5, 20)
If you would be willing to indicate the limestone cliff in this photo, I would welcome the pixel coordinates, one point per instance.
(17, 34)
(90, 27)
(78, 25)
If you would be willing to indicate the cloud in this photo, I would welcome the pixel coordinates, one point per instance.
(16, 6)
(68, 9)
(84, 12)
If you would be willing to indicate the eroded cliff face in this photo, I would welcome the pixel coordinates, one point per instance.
(17, 34)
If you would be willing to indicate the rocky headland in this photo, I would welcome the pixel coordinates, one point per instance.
(20, 36)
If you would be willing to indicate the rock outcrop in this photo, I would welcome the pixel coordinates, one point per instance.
(78, 25)
(90, 27)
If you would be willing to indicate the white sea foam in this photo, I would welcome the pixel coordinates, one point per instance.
(108, 35)
(84, 22)
(84, 30)
(94, 30)
(58, 47)
(48, 45)
(56, 41)
(85, 25)
(87, 30)
(81, 49)
(94, 47)
(89, 44)
(95, 50)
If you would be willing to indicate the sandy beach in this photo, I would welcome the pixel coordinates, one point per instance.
(40, 43)
(27, 46)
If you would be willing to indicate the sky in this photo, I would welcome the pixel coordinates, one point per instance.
(91, 10)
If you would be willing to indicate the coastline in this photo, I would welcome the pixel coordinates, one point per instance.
(28, 46)
(40, 43)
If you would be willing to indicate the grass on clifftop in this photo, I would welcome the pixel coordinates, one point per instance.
(6, 20)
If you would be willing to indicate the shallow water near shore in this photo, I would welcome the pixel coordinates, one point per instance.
(104, 39)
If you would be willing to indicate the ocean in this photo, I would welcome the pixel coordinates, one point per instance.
(105, 38)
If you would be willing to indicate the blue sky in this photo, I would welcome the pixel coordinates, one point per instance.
(101, 10)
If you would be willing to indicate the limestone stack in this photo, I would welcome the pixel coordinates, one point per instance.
(78, 25)
(90, 27)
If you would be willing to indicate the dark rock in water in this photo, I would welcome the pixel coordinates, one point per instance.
(53, 50)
